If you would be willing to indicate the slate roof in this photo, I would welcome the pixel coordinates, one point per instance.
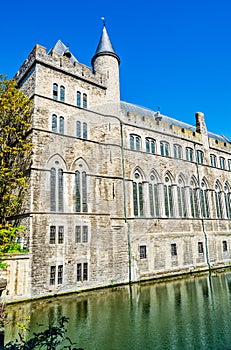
(105, 46)
(61, 48)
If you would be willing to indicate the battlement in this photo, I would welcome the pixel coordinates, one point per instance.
(62, 63)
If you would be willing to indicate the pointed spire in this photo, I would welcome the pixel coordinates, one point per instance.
(105, 46)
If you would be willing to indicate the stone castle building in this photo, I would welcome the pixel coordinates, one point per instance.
(118, 193)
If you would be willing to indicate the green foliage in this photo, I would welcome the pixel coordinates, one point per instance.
(53, 338)
(8, 235)
(15, 147)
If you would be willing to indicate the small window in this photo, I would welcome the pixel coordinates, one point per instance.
(60, 274)
(61, 125)
(55, 91)
(189, 154)
(85, 234)
(77, 234)
(54, 123)
(143, 254)
(224, 246)
(200, 157)
(78, 129)
(62, 93)
(85, 131)
(200, 248)
(222, 162)
(78, 99)
(177, 151)
(82, 272)
(173, 249)
(229, 164)
(79, 272)
(85, 271)
(52, 234)
(84, 100)
(60, 234)
(213, 160)
(52, 275)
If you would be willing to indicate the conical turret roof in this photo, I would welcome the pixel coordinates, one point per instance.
(105, 46)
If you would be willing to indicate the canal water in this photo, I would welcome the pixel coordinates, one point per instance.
(192, 313)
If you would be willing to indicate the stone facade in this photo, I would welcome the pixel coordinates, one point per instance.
(119, 193)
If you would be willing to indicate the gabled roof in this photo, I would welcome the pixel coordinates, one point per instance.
(62, 49)
(105, 46)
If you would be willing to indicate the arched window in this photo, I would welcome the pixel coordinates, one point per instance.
(54, 123)
(61, 125)
(55, 91)
(78, 99)
(153, 196)
(204, 201)
(177, 151)
(85, 131)
(194, 199)
(56, 190)
(227, 195)
(135, 142)
(200, 157)
(150, 145)
(189, 154)
(222, 162)
(168, 197)
(181, 198)
(80, 191)
(213, 160)
(62, 93)
(164, 148)
(138, 207)
(218, 200)
(84, 100)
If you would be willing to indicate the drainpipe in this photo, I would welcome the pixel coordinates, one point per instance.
(202, 218)
(125, 209)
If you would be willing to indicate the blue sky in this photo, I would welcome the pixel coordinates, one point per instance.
(175, 54)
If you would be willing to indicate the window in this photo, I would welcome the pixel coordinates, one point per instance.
(168, 197)
(52, 275)
(137, 195)
(213, 160)
(78, 99)
(54, 123)
(81, 130)
(181, 198)
(61, 125)
(81, 234)
(153, 196)
(222, 162)
(173, 249)
(82, 272)
(194, 192)
(52, 234)
(84, 100)
(62, 93)
(164, 148)
(218, 200)
(229, 164)
(56, 190)
(60, 274)
(224, 246)
(177, 151)
(200, 248)
(55, 91)
(143, 254)
(81, 191)
(135, 142)
(189, 154)
(227, 196)
(150, 145)
(204, 201)
(60, 234)
(200, 157)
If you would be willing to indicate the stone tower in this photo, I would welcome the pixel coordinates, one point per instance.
(106, 62)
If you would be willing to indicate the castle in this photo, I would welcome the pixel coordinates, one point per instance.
(118, 193)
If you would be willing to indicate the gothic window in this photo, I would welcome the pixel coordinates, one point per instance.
(138, 205)
(200, 157)
(150, 145)
(222, 162)
(153, 196)
(218, 200)
(168, 197)
(164, 148)
(227, 196)
(213, 160)
(194, 199)
(80, 191)
(62, 93)
(55, 91)
(181, 198)
(54, 123)
(61, 125)
(84, 100)
(204, 200)
(56, 189)
(189, 154)
(143, 252)
(135, 142)
(177, 151)
(78, 99)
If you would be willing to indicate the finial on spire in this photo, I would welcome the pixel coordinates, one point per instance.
(104, 21)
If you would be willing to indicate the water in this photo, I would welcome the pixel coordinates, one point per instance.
(191, 313)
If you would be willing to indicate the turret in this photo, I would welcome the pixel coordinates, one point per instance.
(106, 61)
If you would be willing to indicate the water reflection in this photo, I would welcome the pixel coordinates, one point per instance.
(192, 313)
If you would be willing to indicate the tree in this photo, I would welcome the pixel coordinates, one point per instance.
(15, 149)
